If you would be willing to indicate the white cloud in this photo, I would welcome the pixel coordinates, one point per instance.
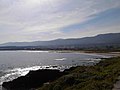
(35, 17)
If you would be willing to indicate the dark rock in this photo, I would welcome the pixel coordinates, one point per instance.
(54, 66)
(33, 79)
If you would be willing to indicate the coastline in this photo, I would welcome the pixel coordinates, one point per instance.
(102, 76)
(109, 53)
(102, 52)
(21, 71)
(92, 72)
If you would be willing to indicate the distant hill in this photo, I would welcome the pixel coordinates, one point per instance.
(101, 39)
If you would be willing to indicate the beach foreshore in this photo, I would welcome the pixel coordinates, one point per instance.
(113, 54)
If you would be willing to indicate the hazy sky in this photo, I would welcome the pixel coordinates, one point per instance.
(33, 20)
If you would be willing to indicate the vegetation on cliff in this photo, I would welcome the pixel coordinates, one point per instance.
(102, 76)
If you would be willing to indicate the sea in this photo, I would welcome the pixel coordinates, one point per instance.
(14, 64)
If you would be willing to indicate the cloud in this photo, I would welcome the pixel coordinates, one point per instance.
(35, 19)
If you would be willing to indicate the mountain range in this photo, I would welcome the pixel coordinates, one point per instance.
(101, 39)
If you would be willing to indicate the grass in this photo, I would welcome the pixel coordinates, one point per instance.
(102, 76)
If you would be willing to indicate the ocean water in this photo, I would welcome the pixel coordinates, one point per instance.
(14, 64)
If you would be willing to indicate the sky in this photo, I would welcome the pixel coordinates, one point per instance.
(41, 20)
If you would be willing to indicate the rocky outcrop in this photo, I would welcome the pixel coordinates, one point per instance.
(33, 79)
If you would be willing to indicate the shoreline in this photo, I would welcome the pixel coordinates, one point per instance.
(89, 52)
(61, 67)
(72, 69)
(108, 53)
